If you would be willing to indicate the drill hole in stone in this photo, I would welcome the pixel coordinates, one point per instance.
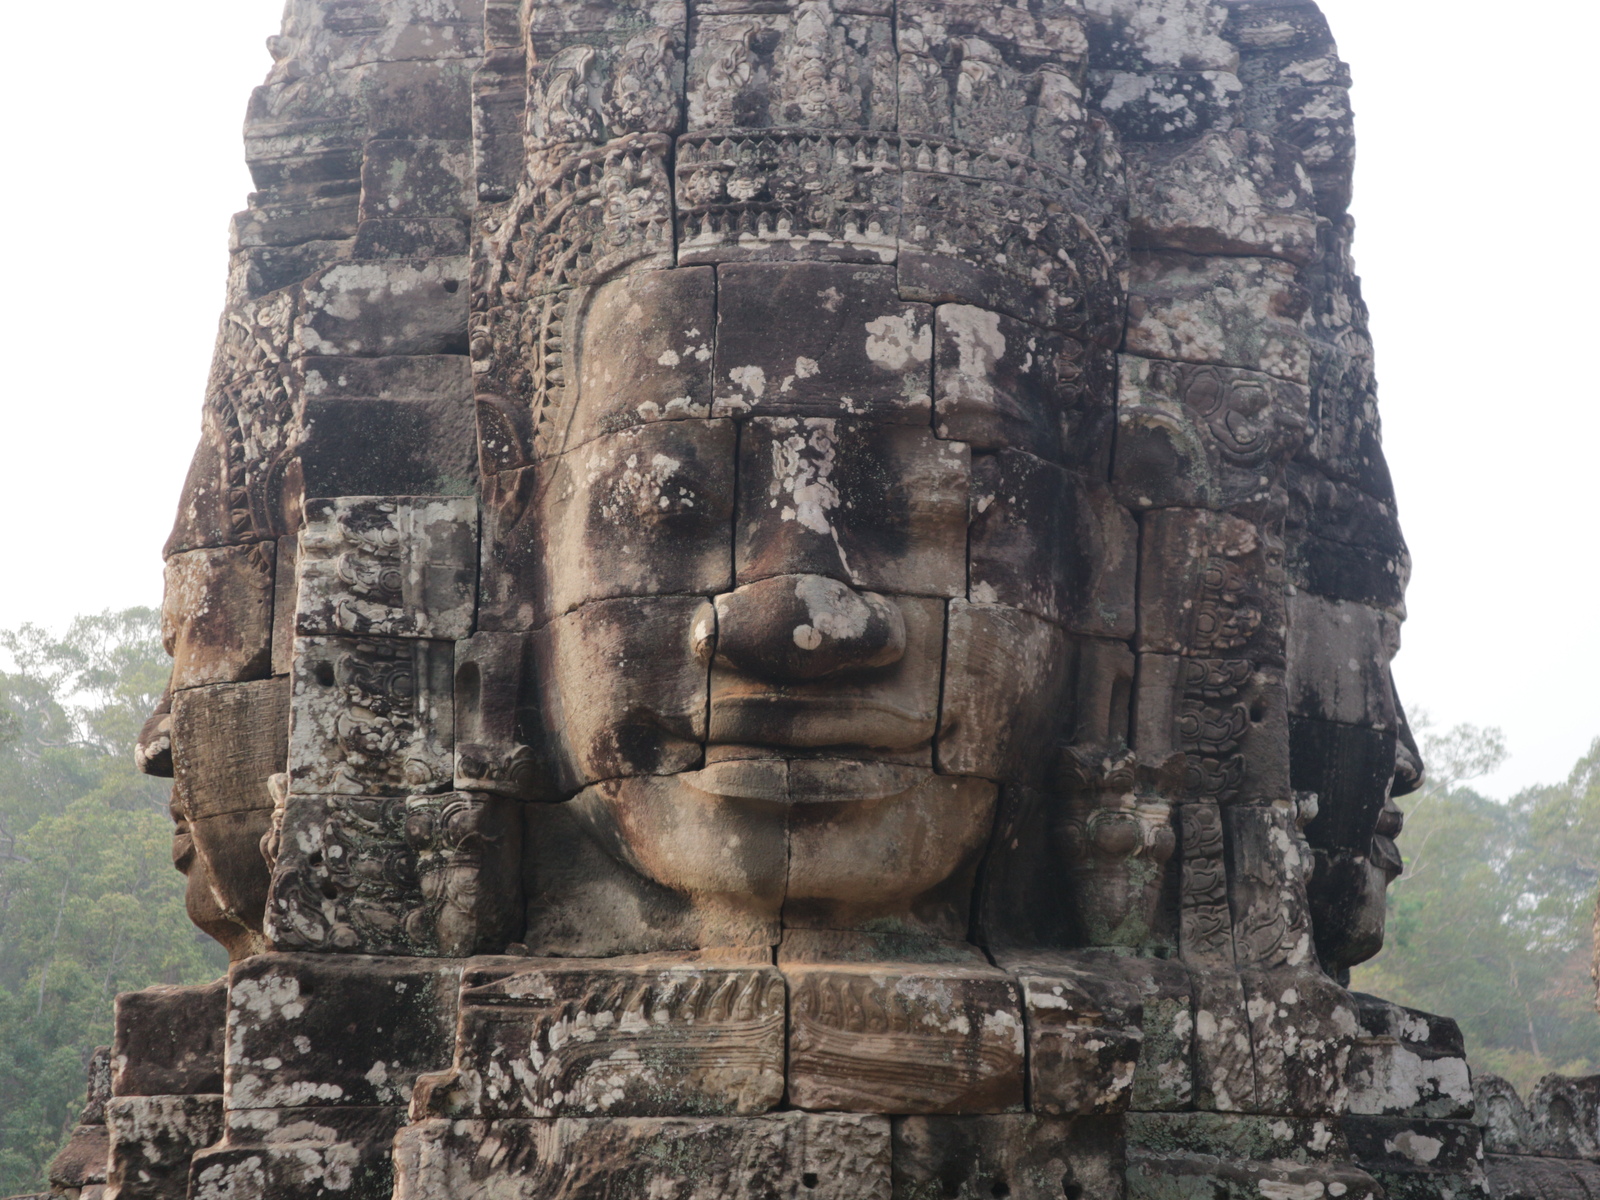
(1071, 1188)
(1000, 1190)
(809, 1179)
(324, 674)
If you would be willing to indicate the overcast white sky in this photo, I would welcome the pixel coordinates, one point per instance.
(1476, 147)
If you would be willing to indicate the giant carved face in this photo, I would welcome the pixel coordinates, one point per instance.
(812, 569)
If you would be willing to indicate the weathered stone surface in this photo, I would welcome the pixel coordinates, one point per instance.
(787, 1155)
(1021, 1155)
(1224, 193)
(1242, 1137)
(999, 383)
(757, 69)
(229, 739)
(316, 1030)
(617, 1038)
(1210, 586)
(401, 566)
(600, 504)
(1085, 1036)
(910, 1038)
(880, 506)
(1409, 1063)
(1302, 1030)
(303, 1153)
(1043, 542)
(1229, 312)
(216, 619)
(384, 307)
(371, 717)
(168, 1041)
(997, 654)
(1414, 1158)
(1203, 436)
(1165, 106)
(1519, 1177)
(820, 339)
(81, 1163)
(152, 1139)
(1499, 1111)
(1564, 1117)
(622, 690)
(1326, 636)
(366, 446)
(767, 700)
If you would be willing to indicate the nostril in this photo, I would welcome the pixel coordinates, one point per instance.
(802, 627)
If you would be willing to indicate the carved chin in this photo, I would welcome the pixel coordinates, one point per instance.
(761, 840)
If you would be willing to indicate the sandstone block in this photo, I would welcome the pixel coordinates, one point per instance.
(1224, 1063)
(1001, 383)
(1303, 1028)
(904, 1038)
(1085, 1037)
(821, 339)
(384, 307)
(402, 566)
(1224, 193)
(152, 1140)
(371, 716)
(1187, 35)
(81, 1163)
(1408, 1063)
(387, 447)
(495, 722)
(1345, 544)
(1004, 248)
(996, 655)
(345, 878)
(601, 503)
(1205, 1174)
(1210, 586)
(1241, 1137)
(410, 237)
(1043, 542)
(643, 353)
(732, 83)
(402, 178)
(622, 690)
(738, 198)
(1520, 1177)
(1020, 1155)
(1165, 106)
(228, 738)
(1269, 865)
(216, 618)
(882, 507)
(622, 1038)
(782, 1155)
(231, 873)
(1202, 436)
(1228, 312)
(1564, 1117)
(1338, 661)
(1497, 1109)
(1351, 769)
(168, 1041)
(1229, 719)
(317, 1030)
(300, 1154)
(605, 73)
(1414, 1158)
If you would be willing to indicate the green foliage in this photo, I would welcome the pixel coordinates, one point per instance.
(1491, 923)
(89, 903)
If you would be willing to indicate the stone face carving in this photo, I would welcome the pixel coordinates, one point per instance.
(795, 599)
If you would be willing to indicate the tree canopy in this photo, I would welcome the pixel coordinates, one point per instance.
(1491, 922)
(89, 903)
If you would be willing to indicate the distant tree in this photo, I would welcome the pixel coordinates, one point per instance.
(1490, 924)
(89, 903)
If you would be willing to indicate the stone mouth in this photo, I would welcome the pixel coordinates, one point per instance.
(802, 722)
(806, 781)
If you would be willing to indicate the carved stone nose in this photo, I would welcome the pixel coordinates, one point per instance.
(799, 627)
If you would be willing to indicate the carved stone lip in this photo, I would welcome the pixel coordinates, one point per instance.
(774, 719)
(806, 781)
